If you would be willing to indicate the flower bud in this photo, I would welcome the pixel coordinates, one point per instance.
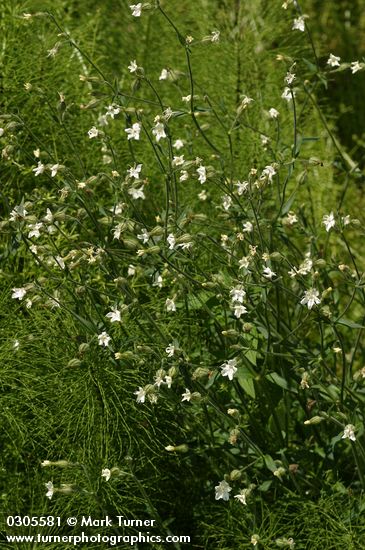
(172, 372)
(74, 363)
(83, 347)
(57, 463)
(67, 489)
(231, 333)
(276, 256)
(326, 292)
(178, 449)
(313, 420)
(156, 231)
(200, 372)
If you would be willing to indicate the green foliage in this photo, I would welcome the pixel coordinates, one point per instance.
(180, 321)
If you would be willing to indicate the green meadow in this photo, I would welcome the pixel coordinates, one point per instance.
(182, 277)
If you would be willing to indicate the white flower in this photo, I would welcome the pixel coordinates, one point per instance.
(136, 9)
(273, 113)
(222, 491)
(333, 61)
(112, 111)
(185, 246)
(93, 132)
(237, 294)
(247, 227)
(39, 170)
(241, 497)
(59, 261)
(53, 51)
(16, 344)
(239, 310)
(186, 98)
(178, 161)
(50, 489)
(187, 395)
(141, 395)
(133, 133)
(144, 236)
(170, 350)
(329, 221)
(346, 220)
(298, 24)
(203, 195)
(305, 267)
(269, 172)
(159, 378)
(106, 473)
(244, 262)
(242, 187)
(178, 144)
(170, 305)
(18, 293)
(349, 432)
(103, 120)
(54, 169)
(289, 78)
(171, 240)
(49, 216)
(310, 298)
(291, 219)
(167, 114)
(227, 202)
(134, 171)
(114, 315)
(1, 132)
(34, 230)
(159, 131)
(287, 94)
(229, 368)
(157, 280)
(168, 381)
(103, 339)
(131, 270)
(202, 173)
(184, 175)
(137, 193)
(246, 101)
(268, 273)
(215, 36)
(18, 212)
(255, 538)
(356, 66)
(164, 74)
(133, 67)
(117, 231)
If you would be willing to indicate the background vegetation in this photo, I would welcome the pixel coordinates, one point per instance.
(274, 432)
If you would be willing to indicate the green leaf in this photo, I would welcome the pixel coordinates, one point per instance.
(245, 380)
(270, 463)
(265, 486)
(248, 387)
(349, 323)
(251, 355)
(197, 301)
(275, 378)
